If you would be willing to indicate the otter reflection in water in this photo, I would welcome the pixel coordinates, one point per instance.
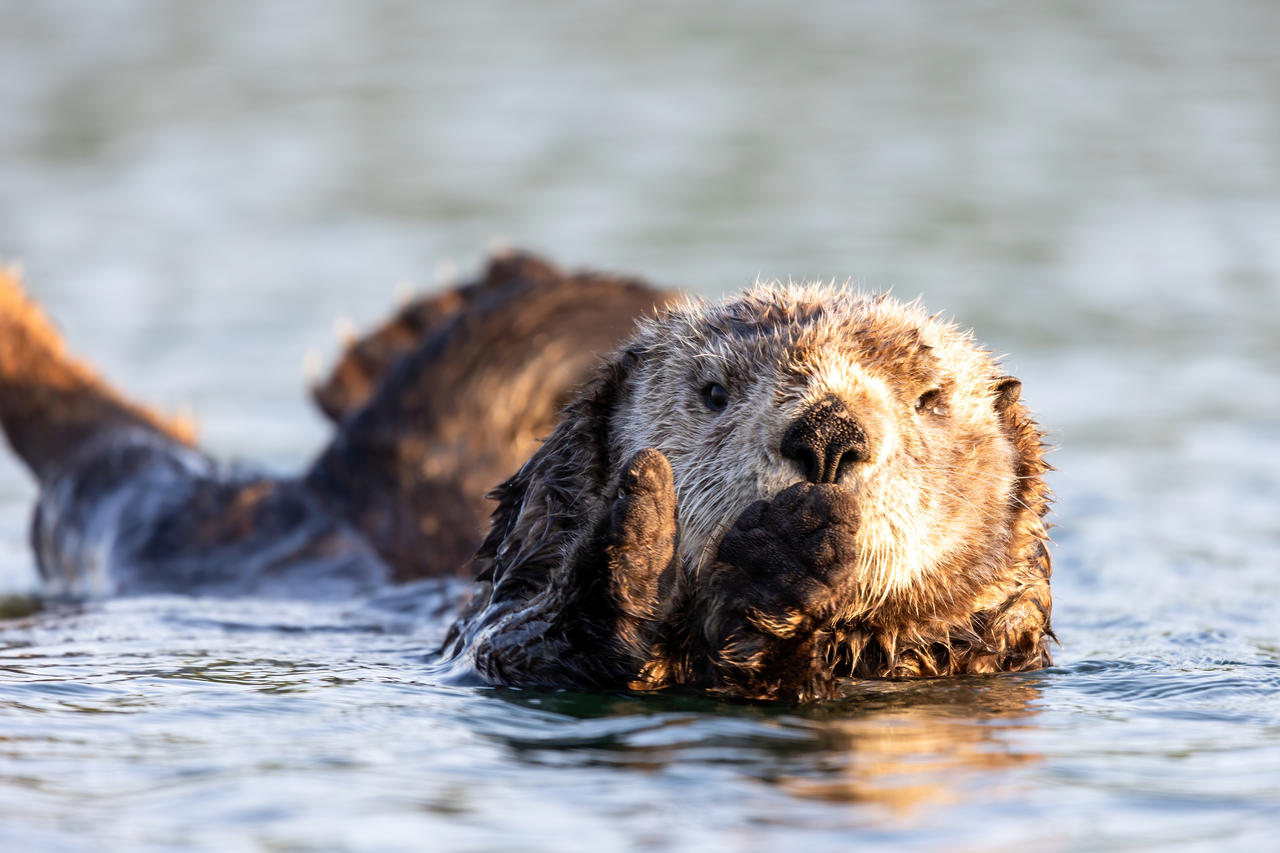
(895, 751)
(758, 497)
(913, 746)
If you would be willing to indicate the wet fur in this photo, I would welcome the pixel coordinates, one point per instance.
(650, 544)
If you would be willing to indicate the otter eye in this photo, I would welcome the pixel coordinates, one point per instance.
(715, 397)
(931, 401)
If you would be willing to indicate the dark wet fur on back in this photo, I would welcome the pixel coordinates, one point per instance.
(463, 409)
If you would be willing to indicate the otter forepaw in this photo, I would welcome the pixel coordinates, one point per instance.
(780, 574)
(785, 562)
(642, 535)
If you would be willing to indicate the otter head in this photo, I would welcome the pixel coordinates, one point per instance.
(777, 386)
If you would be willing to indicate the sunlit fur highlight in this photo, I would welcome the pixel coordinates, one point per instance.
(50, 401)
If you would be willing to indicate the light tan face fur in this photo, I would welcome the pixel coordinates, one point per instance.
(936, 491)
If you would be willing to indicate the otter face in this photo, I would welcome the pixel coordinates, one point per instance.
(778, 386)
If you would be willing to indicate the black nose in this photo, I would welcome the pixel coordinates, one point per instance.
(825, 441)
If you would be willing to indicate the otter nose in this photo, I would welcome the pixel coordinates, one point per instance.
(825, 441)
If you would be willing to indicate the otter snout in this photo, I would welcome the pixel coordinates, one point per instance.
(826, 441)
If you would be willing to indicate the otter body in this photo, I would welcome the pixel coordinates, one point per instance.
(758, 498)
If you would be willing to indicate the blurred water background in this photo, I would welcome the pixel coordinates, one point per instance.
(198, 191)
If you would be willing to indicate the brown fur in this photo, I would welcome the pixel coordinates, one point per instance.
(654, 543)
(461, 409)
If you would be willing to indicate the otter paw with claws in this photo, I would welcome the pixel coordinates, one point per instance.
(785, 564)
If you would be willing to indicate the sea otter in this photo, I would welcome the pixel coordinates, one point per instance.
(761, 496)
(758, 498)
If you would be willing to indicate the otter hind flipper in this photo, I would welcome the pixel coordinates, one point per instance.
(50, 403)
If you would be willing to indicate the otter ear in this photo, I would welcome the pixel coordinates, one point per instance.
(1008, 390)
(560, 490)
(1016, 419)
(1025, 434)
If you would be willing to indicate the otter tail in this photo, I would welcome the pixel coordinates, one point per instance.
(50, 403)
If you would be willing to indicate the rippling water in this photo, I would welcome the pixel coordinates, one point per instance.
(197, 191)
